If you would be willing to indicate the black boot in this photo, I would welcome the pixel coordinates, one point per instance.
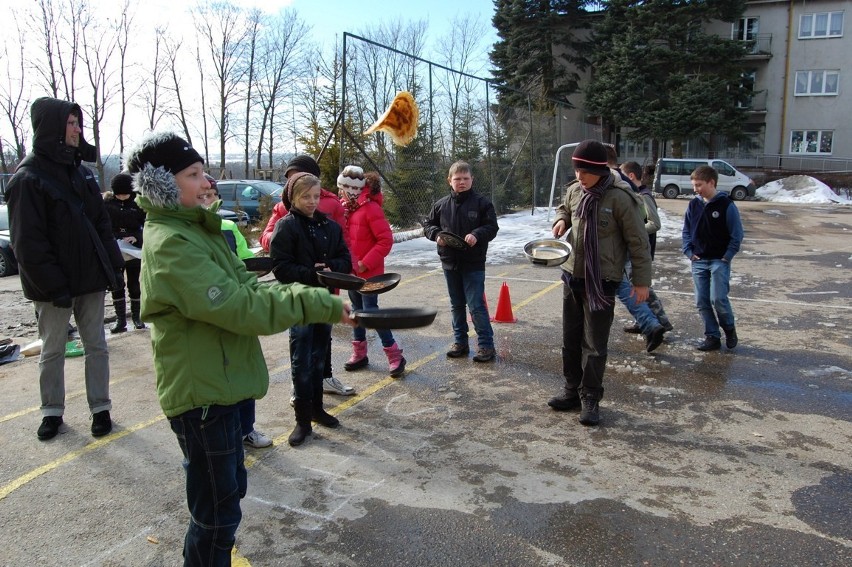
(120, 306)
(135, 306)
(321, 416)
(303, 423)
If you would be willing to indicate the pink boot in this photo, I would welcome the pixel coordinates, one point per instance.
(396, 362)
(359, 356)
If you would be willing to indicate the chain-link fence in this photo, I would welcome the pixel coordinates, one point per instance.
(510, 141)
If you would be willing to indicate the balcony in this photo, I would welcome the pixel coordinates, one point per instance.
(760, 47)
(756, 103)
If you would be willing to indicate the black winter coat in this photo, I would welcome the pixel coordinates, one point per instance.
(463, 213)
(61, 232)
(127, 218)
(299, 242)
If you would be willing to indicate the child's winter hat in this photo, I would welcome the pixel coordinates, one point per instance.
(154, 163)
(122, 184)
(351, 180)
(590, 155)
(303, 162)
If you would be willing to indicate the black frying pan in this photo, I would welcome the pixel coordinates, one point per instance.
(380, 284)
(260, 265)
(395, 317)
(338, 280)
(453, 240)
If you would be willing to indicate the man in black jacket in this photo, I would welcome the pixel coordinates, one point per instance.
(67, 256)
(471, 219)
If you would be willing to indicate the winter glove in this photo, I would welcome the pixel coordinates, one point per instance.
(63, 301)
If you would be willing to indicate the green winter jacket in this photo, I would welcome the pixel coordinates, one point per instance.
(621, 233)
(206, 311)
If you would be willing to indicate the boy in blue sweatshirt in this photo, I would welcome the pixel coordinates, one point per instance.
(712, 234)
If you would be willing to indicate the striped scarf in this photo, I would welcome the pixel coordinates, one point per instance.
(588, 211)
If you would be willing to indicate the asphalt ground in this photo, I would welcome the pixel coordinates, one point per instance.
(725, 458)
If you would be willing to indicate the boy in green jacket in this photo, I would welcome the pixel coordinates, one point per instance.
(206, 312)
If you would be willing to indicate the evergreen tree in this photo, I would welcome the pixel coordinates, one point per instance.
(539, 51)
(655, 70)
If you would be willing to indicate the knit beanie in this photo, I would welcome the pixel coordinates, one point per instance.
(122, 184)
(590, 155)
(166, 150)
(351, 181)
(304, 163)
(154, 162)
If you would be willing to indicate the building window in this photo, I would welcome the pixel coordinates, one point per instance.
(745, 29)
(811, 141)
(816, 83)
(747, 80)
(823, 24)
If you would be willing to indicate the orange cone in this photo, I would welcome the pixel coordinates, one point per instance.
(504, 307)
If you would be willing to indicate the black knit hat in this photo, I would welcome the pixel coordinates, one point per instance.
(122, 184)
(303, 163)
(590, 155)
(166, 150)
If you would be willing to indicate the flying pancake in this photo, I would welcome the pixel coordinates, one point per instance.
(399, 121)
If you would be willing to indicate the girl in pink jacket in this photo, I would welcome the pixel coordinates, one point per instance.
(369, 238)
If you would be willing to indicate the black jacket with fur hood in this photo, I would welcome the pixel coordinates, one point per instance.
(61, 232)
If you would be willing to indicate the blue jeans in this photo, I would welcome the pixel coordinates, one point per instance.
(640, 311)
(247, 415)
(468, 288)
(308, 345)
(712, 284)
(216, 480)
(368, 301)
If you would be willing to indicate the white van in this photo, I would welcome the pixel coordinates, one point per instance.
(671, 178)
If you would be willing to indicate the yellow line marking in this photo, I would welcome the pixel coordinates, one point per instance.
(93, 446)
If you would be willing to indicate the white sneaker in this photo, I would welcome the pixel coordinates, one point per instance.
(257, 440)
(332, 385)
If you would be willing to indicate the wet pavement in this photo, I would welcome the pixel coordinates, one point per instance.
(726, 458)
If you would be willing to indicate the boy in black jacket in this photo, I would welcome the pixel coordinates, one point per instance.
(471, 219)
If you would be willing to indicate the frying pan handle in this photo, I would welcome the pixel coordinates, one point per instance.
(539, 261)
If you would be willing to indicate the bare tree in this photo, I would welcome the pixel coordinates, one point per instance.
(98, 46)
(281, 60)
(254, 26)
(123, 43)
(222, 27)
(153, 84)
(48, 28)
(458, 49)
(12, 97)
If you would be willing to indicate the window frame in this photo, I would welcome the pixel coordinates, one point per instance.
(812, 18)
(803, 140)
(810, 74)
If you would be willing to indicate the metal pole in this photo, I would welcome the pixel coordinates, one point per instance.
(343, 106)
(555, 168)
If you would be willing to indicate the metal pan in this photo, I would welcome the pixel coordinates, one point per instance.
(395, 318)
(547, 252)
(338, 280)
(453, 240)
(380, 284)
(260, 265)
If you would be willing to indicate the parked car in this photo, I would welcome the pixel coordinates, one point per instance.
(239, 217)
(671, 178)
(247, 195)
(8, 264)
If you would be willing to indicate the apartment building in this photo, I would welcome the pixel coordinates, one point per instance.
(800, 69)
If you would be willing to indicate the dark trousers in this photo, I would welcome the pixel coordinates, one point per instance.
(585, 334)
(132, 269)
(213, 460)
(308, 347)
